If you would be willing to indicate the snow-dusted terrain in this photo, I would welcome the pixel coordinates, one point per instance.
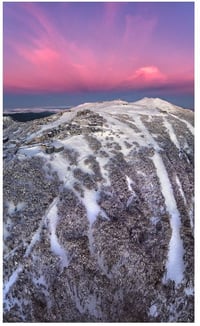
(98, 214)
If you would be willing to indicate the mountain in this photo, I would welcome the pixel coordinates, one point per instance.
(98, 215)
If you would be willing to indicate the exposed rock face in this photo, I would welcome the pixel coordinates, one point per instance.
(100, 229)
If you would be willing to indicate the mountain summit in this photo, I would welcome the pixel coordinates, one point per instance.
(98, 215)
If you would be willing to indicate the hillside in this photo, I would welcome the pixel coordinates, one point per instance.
(98, 214)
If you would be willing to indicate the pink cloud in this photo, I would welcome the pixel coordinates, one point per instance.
(145, 76)
(148, 74)
(50, 61)
(40, 56)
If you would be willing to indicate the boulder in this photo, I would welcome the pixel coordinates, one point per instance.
(5, 139)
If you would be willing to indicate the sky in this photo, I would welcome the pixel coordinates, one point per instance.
(57, 53)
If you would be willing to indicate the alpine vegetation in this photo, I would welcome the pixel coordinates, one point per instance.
(98, 214)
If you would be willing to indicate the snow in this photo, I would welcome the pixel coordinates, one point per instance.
(189, 291)
(60, 164)
(154, 220)
(12, 208)
(57, 249)
(153, 311)
(116, 107)
(121, 132)
(141, 173)
(153, 103)
(181, 189)
(102, 264)
(191, 215)
(29, 151)
(12, 280)
(188, 125)
(6, 226)
(133, 197)
(89, 304)
(171, 133)
(66, 117)
(175, 263)
(102, 164)
(39, 281)
(43, 287)
(35, 238)
(90, 202)
(149, 140)
(129, 183)
(13, 301)
(92, 207)
(80, 145)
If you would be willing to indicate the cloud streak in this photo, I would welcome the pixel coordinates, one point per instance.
(115, 51)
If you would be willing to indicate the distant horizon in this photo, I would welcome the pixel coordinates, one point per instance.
(54, 102)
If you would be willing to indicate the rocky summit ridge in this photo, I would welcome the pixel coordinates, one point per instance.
(98, 215)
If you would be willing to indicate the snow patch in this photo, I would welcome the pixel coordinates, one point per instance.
(102, 164)
(154, 220)
(191, 215)
(66, 117)
(43, 287)
(153, 312)
(90, 201)
(102, 264)
(171, 133)
(189, 291)
(156, 103)
(129, 183)
(12, 280)
(181, 189)
(81, 146)
(35, 238)
(121, 132)
(141, 173)
(7, 225)
(60, 164)
(57, 249)
(29, 151)
(149, 140)
(175, 263)
(189, 126)
(12, 208)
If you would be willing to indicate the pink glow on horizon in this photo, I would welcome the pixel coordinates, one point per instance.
(113, 58)
(148, 74)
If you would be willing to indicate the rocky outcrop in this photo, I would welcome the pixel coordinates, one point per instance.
(98, 215)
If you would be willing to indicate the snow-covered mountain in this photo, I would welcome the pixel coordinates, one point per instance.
(98, 214)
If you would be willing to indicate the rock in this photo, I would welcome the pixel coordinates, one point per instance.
(58, 147)
(5, 139)
(103, 229)
(49, 149)
(54, 147)
(7, 121)
(50, 134)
